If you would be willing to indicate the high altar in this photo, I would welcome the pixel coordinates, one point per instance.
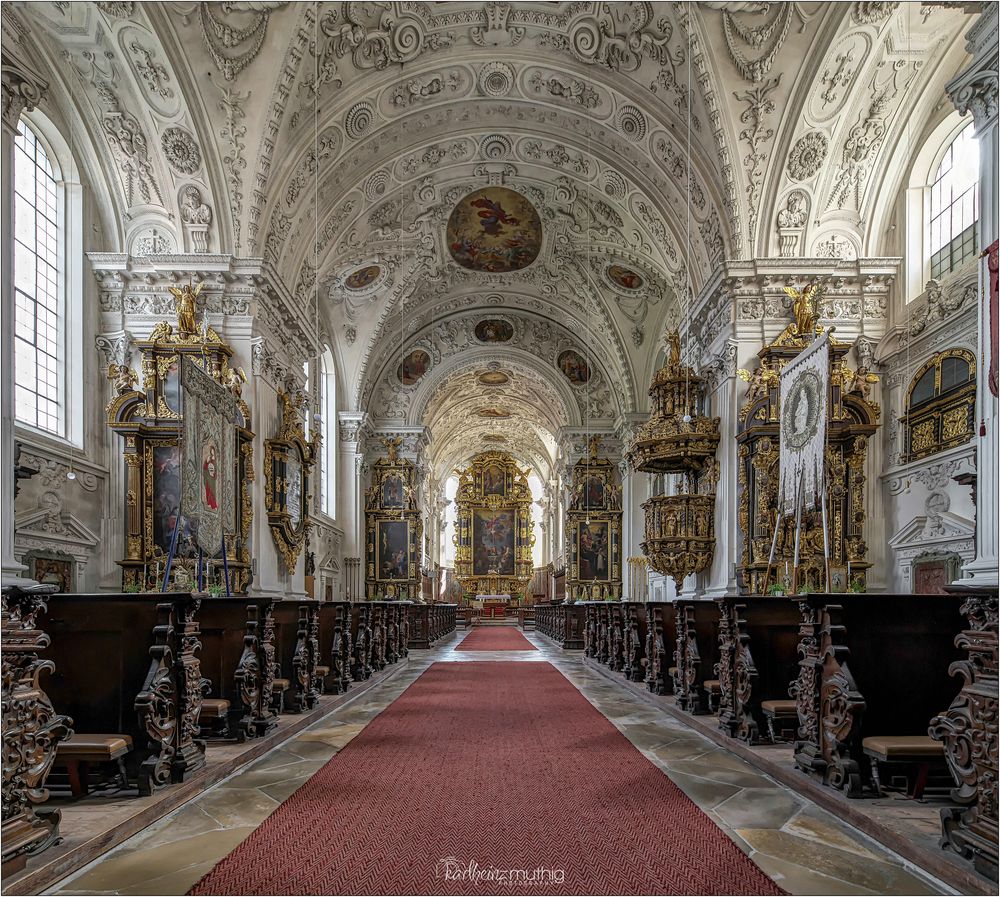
(494, 535)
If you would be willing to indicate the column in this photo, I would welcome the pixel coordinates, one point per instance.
(975, 90)
(350, 488)
(22, 90)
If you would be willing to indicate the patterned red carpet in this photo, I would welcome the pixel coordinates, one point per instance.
(495, 638)
(488, 778)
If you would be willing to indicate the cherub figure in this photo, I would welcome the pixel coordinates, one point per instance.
(186, 303)
(125, 379)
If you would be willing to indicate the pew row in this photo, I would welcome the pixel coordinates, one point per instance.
(429, 623)
(562, 623)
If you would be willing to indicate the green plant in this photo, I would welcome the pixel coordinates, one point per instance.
(132, 588)
(776, 588)
(216, 590)
(857, 586)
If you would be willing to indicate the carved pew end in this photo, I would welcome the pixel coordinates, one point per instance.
(781, 716)
(918, 751)
(77, 753)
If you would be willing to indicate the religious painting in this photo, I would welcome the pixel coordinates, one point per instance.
(413, 367)
(493, 542)
(393, 555)
(493, 378)
(493, 480)
(574, 367)
(496, 413)
(363, 277)
(210, 475)
(167, 498)
(494, 331)
(293, 489)
(170, 386)
(838, 579)
(494, 229)
(392, 492)
(53, 571)
(593, 493)
(624, 277)
(594, 551)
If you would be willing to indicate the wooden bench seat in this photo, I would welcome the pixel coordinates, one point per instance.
(919, 750)
(713, 689)
(76, 754)
(778, 712)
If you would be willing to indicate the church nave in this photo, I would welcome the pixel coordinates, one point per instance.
(802, 848)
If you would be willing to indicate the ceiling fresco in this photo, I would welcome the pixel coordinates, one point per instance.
(494, 230)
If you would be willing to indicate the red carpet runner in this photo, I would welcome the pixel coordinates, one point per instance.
(488, 778)
(495, 638)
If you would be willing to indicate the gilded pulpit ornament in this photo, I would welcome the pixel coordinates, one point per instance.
(678, 439)
(393, 528)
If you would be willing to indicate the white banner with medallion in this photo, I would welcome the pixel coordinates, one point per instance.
(208, 493)
(804, 397)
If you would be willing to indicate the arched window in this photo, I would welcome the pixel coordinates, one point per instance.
(954, 205)
(941, 404)
(39, 294)
(328, 408)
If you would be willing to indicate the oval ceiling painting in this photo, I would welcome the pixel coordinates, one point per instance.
(575, 368)
(363, 277)
(494, 229)
(625, 278)
(494, 412)
(413, 367)
(493, 378)
(494, 331)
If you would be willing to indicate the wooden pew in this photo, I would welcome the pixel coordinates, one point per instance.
(661, 647)
(296, 646)
(563, 623)
(634, 624)
(446, 618)
(335, 644)
(32, 729)
(429, 623)
(237, 660)
(361, 637)
(758, 660)
(968, 730)
(128, 664)
(697, 627)
(870, 665)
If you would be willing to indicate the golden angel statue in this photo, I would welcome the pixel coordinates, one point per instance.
(186, 304)
(673, 338)
(233, 380)
(804, 306)
(392, 446)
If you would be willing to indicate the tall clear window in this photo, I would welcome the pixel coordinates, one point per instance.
(954, 207)
(39, 315)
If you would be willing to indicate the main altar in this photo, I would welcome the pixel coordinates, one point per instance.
(493, 538)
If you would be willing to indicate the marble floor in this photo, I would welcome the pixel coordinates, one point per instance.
(805, 849)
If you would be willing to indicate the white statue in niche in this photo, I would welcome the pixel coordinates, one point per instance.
(193, 210)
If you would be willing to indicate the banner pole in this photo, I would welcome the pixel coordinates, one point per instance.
(826, 535)
(774, 544)
(798, 534)
(170, 554)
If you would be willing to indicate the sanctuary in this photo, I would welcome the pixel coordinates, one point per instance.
(500, 447)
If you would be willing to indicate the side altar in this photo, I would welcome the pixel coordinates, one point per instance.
(188, 450)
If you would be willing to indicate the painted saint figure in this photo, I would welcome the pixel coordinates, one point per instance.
(209, 474)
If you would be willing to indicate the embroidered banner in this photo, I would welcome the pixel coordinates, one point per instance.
(208, 488)
(804, 391)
